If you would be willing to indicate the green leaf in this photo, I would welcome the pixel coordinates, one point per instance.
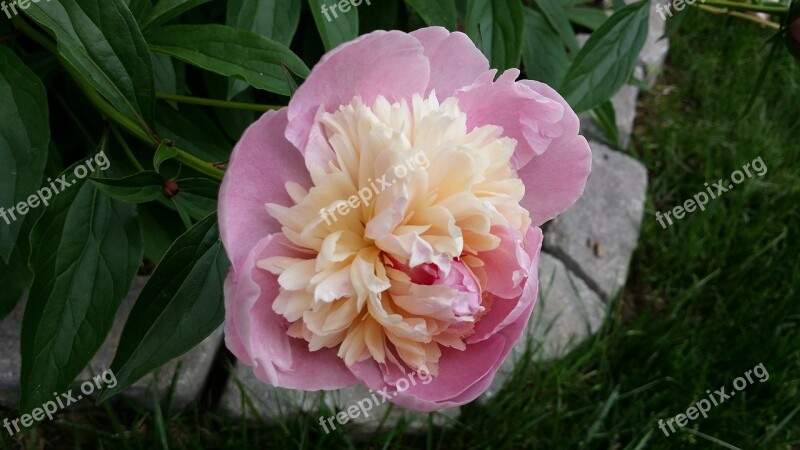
(16, 276)
(141, 187)
(607, 59)
(436, 12)
(139, 8)
(166, 10)
(181, 305)
(198, 196)
(556, 15)
(496, 27)
(544, 54)
(192, 130)
(606, 119)
(591, 18)
(164, 152)
(160, 228)
(24, 141)
(274, 19)
(88, 250)
(335, 26)
(101, 41)
(232, 52)
(164, 71)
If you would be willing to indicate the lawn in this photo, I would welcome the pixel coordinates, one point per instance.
(709, 298)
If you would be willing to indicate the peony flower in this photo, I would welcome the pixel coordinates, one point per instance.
(386, 223)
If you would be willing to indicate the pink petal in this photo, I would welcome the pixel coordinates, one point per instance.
(257, 335)
(388, 63)
(464, 375)
(556, 179)
(506, 311)
(261, 164)
(534, 120)
(506, 267)
(455, 61)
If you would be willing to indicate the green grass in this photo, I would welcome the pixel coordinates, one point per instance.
(708, 298)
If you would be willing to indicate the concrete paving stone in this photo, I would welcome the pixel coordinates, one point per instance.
(567, 312)
(596, 237)
(192, 368)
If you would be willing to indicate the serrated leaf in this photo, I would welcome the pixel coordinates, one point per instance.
(496, 27)
(335, 26)
(544, 55)
(88, 250)
(231, 52)
(24, 141)
(436, 12)
(166, 10)
(101, 40)
(137, 188)
(607, 59)
(181, 305)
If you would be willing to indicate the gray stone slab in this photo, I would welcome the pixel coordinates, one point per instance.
(247, 397)
(597, 236)
(567, 312)
(191, 368)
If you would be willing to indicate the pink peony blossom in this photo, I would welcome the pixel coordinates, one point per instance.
(348, 269)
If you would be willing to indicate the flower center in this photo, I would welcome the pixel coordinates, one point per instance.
(395, 226)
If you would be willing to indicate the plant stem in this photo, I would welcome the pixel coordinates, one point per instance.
(109, 111)
(215, 103)
(736, 6)
(740, 15)
(127, 149)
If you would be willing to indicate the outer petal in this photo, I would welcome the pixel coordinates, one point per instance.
(390, 63)
(463, 375)
(533, 119)
(261, 164)
(556, 179)
(257, 335)
(455, 61)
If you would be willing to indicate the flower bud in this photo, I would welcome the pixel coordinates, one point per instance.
(170, 188)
